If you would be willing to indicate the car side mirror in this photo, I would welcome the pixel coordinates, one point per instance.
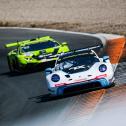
(105, 58)
(48, 71)
(64, 44)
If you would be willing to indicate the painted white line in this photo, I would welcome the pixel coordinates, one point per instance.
(44, 29)
(115, 66)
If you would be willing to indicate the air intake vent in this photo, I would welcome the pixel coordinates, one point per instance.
(68, 76)
(83, 87)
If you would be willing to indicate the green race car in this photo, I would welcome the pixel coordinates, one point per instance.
(30, 53)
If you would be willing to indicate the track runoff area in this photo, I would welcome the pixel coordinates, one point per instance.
(114, 46)
(83, 107)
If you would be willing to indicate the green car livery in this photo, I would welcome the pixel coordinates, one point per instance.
(33, 52)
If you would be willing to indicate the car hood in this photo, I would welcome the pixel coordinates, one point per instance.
(78, 69)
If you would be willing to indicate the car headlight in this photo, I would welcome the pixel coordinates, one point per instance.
(102, 68)
(55, 78)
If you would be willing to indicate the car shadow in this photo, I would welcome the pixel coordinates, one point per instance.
(13, 74)
(31, 70)
(49, 97)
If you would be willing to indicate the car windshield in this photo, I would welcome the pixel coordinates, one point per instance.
(77, 63)
(39, 46)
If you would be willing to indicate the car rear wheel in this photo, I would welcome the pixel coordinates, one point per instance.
(17, 66)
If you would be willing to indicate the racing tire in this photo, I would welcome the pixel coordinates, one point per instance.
(17, 66)
(11, 66)
(111, 85)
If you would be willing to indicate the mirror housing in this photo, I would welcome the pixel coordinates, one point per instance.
(105, 58)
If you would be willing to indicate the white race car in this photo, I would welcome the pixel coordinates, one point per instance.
(79, 70)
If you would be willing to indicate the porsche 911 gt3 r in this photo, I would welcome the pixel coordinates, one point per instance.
(79, 70)
(32, 52)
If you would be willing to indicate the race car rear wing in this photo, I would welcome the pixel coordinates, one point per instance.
(12, 44)
(82, 50)
(18, 43)
(78, 51)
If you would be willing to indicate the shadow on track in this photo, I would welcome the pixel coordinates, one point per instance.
(30, 70)
(48, 97)
(14, 74)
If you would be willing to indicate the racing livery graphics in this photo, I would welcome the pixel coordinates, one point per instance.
(78, 70)
(33, 52)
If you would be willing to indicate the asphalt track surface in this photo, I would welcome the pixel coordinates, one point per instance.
(16, 109)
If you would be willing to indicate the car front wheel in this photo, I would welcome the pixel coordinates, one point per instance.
(11, 65)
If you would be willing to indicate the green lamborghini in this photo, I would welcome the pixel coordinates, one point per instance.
(30, 53)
